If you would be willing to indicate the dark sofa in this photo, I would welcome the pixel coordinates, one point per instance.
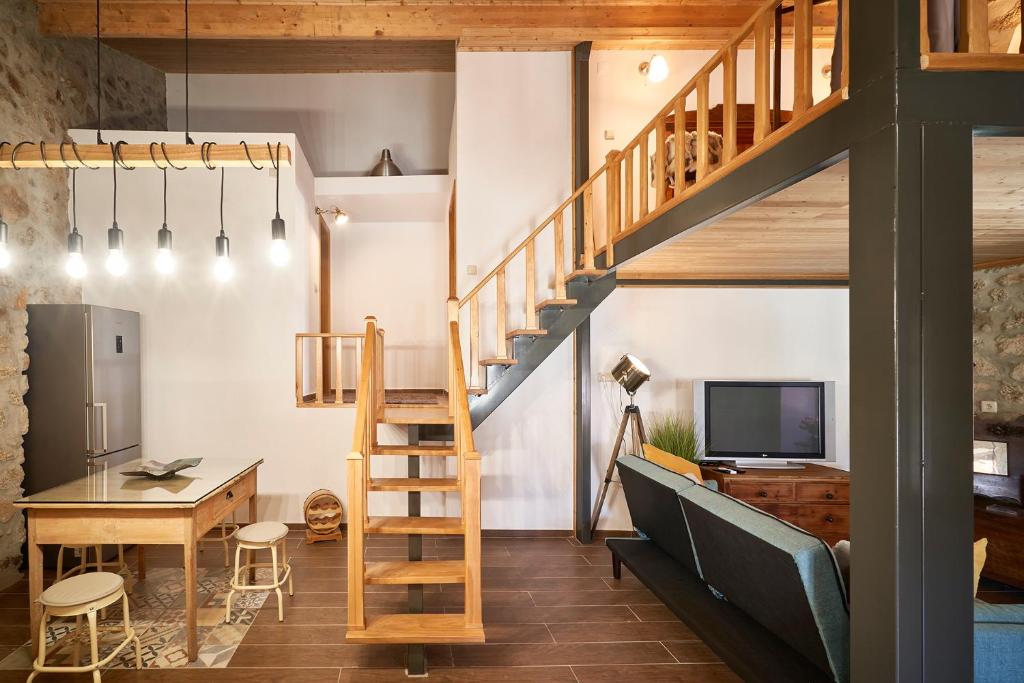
(766, 596)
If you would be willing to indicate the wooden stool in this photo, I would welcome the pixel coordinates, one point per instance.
(99, 565)
(84, 594)
(261, 536)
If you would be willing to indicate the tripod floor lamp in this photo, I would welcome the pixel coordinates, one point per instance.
(630, 373)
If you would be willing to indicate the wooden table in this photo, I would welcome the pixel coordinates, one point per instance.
(106, 507)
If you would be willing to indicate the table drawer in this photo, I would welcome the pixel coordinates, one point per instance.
(821, 519)
(753, 491)
(223, 502)
(823, 492)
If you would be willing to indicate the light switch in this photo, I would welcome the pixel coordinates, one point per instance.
(470, 270)
(609, 135)
(989, 407)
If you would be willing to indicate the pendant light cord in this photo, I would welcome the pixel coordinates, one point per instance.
(165, 196)
(188, 138)
(114, 168)
(74, 202)
(222, 200)
(277, 183)
(99, 98)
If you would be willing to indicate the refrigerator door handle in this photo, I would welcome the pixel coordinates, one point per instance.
(103, 428)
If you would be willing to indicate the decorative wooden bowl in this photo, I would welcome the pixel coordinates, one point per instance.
(323, 512)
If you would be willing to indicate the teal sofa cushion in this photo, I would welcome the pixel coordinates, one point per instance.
(652, 495)
(998, 643)
(781, 576)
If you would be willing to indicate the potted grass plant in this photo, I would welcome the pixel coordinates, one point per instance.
(677, 434)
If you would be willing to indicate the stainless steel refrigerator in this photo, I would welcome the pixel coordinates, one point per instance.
(84, 392)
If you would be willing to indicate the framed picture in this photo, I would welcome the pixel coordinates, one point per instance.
(990, 458)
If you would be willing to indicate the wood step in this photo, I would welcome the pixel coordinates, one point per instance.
(416, 628)
(405, 449)
(586, 272)
(406, 415)
(414, 525)
(426, 571)
(555, 303)
(499, 361)
(525, 333)
(476, 391)
(411, 484)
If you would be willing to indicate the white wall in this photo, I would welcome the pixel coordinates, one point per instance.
(688, 334)
(513, 150)
(342, 120)
(398, 273)
(218, 358)
(623, 102)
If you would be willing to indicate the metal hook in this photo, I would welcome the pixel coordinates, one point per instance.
(153, 157)
(249, 157)
(116, 155)
(42, 154)
(163, 148)
(78, 157)
(14, 154)
(204, 154)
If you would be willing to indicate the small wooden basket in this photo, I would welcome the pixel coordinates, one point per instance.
(323, 512)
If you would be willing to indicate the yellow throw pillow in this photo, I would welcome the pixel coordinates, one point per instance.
(672, 462)
(980, 548)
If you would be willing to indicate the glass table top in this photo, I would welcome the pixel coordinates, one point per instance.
(107, 486)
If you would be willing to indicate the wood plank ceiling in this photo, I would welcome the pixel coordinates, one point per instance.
(286, 36)
(802, 232)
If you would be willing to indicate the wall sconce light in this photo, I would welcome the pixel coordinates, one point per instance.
(655, 70)
(340, 218)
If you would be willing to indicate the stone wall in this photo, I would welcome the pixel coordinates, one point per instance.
(47, 86)
(999, 341)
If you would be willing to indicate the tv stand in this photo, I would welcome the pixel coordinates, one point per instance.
(815, 498)
(769, 465)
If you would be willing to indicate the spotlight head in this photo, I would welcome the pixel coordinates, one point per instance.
(631, 373)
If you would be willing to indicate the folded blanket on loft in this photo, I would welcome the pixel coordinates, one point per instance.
(690, 160)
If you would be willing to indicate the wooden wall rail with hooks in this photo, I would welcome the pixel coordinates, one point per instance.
(48, 155)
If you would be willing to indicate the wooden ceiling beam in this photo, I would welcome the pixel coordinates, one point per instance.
(408, 20)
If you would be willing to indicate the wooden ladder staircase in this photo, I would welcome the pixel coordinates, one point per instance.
(462, 477)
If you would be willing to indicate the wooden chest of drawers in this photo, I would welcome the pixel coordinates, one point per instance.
(815, 498)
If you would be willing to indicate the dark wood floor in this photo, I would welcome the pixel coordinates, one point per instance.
(552, 612)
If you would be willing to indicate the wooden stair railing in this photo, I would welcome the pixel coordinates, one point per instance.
(328, 368)
(412, 628)
(634, 183)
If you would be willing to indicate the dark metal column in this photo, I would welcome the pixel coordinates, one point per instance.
(911, 422)
(416, 660)
(581, 337)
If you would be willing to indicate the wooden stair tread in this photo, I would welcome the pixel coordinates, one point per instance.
(412, 484)
(406, 415)
(552, 303)
(476, 391)
(414, 525)
(499, 361)
(404, 449)
(586, 272)
(425, 571)
(525, 333)
(416, 628)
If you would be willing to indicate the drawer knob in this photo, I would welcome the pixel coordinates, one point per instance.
(762, 493)
(829, 495)
(230, 495)
(829, 518)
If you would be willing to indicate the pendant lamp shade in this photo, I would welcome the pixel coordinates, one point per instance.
(386, 166)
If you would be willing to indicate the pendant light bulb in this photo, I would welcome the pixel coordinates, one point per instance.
(164, 256)
(117, 265)
(278, 243)
(75, 264)
(5, 254)
(223, 269)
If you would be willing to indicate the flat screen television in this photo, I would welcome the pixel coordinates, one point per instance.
(766, 423)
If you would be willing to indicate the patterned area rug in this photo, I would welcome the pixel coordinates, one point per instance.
(157, 612)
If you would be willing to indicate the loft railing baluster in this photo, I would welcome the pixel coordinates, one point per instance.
(729, 105)
(803, 97)
(627, 220)
(474, 341)
(531, 286)
(588, 227)
(703, 143)
(339, 381)
(643, 166)
(559, 257)
(762, 77)
(659, 162)
(500, 314)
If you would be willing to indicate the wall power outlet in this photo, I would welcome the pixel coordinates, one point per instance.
(989, 407)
